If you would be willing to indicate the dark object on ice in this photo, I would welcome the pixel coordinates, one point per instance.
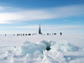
(18, 34)
(48, 48)
(39, 31)
(13, 34)
(5, 34)
(29, 34)
(53, 33)
(48, 33)
(60, 33)
(25, 34)
(21, 34)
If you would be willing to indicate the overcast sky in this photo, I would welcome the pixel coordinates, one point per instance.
(24, 16)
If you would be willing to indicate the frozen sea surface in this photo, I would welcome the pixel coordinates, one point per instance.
(68, 48)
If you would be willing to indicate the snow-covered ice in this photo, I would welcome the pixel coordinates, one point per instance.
(68, 48)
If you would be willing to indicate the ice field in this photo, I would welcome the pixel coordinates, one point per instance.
(68, 48)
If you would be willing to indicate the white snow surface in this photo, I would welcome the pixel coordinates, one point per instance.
(68, 48)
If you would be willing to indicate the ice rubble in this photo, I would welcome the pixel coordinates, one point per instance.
(37, 52)
(62, 46)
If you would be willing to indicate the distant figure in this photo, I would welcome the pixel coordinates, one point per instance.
(60, 33)
(5, 34)
(23, 34)
(40, 29)
(29, 34)
(13, 34)
(47, 33)
(54, 33)
(18, 34)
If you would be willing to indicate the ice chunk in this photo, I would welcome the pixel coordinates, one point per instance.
(47, 59)
(37, 52)
(65, 46)
(31, 48)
